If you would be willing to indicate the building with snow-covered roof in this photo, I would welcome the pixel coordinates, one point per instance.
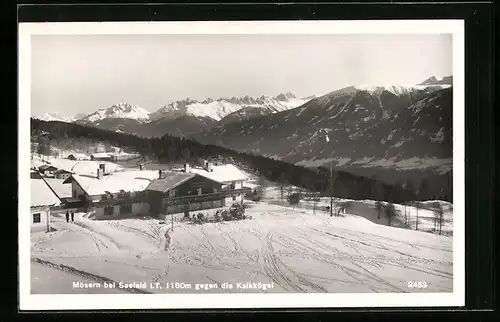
(177, 192)
(47, 169)
(62, 174)
(104, 156)
(111, 194)
(121, 193)
(78, 157)
(42, 199)
(123, 156)
(230, 176)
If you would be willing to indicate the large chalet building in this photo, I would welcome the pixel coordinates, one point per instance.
(121, 193)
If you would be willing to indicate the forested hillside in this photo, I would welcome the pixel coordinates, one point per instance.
(174, 149)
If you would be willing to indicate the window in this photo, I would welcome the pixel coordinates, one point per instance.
(37, 218)
(199, 191)
(215, 190)
(124, 195)
(108, 210)
(171, 193)
(74, 194)
(125, 209)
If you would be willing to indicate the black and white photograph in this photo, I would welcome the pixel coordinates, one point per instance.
(241, 164)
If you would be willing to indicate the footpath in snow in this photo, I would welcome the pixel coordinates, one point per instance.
(290, 250)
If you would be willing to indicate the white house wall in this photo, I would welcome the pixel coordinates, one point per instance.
(141, 208)
(42, 225)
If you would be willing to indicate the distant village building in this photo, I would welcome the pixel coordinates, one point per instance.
(35, 174)
(125, 156)
(78, 157)
(101, 156)
(47, 170)
(62, 174)
(42, 199)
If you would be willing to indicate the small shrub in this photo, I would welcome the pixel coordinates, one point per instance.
(237, 211)
(199, 218)
(226, 216)
(217, 216)
(293, 198)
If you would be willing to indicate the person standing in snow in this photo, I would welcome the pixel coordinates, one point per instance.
(72, 216)
(67, 216)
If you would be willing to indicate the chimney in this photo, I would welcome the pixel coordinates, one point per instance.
(160, 174)
(186, 167)
(209, 167)
(140, 167)
(102, 166)
(99, 174)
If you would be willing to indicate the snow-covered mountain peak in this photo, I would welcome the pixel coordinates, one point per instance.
(438, 80)
(377, 90)
(284, 96)
(121, 110)
(54, 117)
(217, 109)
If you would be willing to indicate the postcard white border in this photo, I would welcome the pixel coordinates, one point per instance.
(228, 301)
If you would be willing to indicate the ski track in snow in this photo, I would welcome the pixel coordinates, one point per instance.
(296, 250)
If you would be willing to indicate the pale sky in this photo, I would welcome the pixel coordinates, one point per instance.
(81, 74)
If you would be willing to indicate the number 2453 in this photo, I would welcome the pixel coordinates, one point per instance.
(415, 284)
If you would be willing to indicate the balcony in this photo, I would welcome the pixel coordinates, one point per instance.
(205, 197)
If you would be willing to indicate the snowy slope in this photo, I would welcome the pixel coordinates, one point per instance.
(293, 250)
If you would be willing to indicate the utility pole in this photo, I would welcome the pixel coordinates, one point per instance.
(48, 220)
(331, 188)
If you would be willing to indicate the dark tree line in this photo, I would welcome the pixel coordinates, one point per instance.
(176, 149)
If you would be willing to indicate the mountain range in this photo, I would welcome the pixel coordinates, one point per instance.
(182, 117)
(394, 132)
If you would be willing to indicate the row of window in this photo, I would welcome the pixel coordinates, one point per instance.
(124, 209)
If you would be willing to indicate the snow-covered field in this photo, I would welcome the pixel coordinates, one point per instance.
(424, 215)
(291, 250)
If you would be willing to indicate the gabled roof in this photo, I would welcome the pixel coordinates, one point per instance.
(172, 180)
(47, 167)
(41, 195)
(223, 173)
(113, 183)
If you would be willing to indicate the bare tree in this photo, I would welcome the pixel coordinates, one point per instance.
(390, 212)
(407, 221)
(439, 215)
(282, 191)
(417, 204)
(378, 206)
